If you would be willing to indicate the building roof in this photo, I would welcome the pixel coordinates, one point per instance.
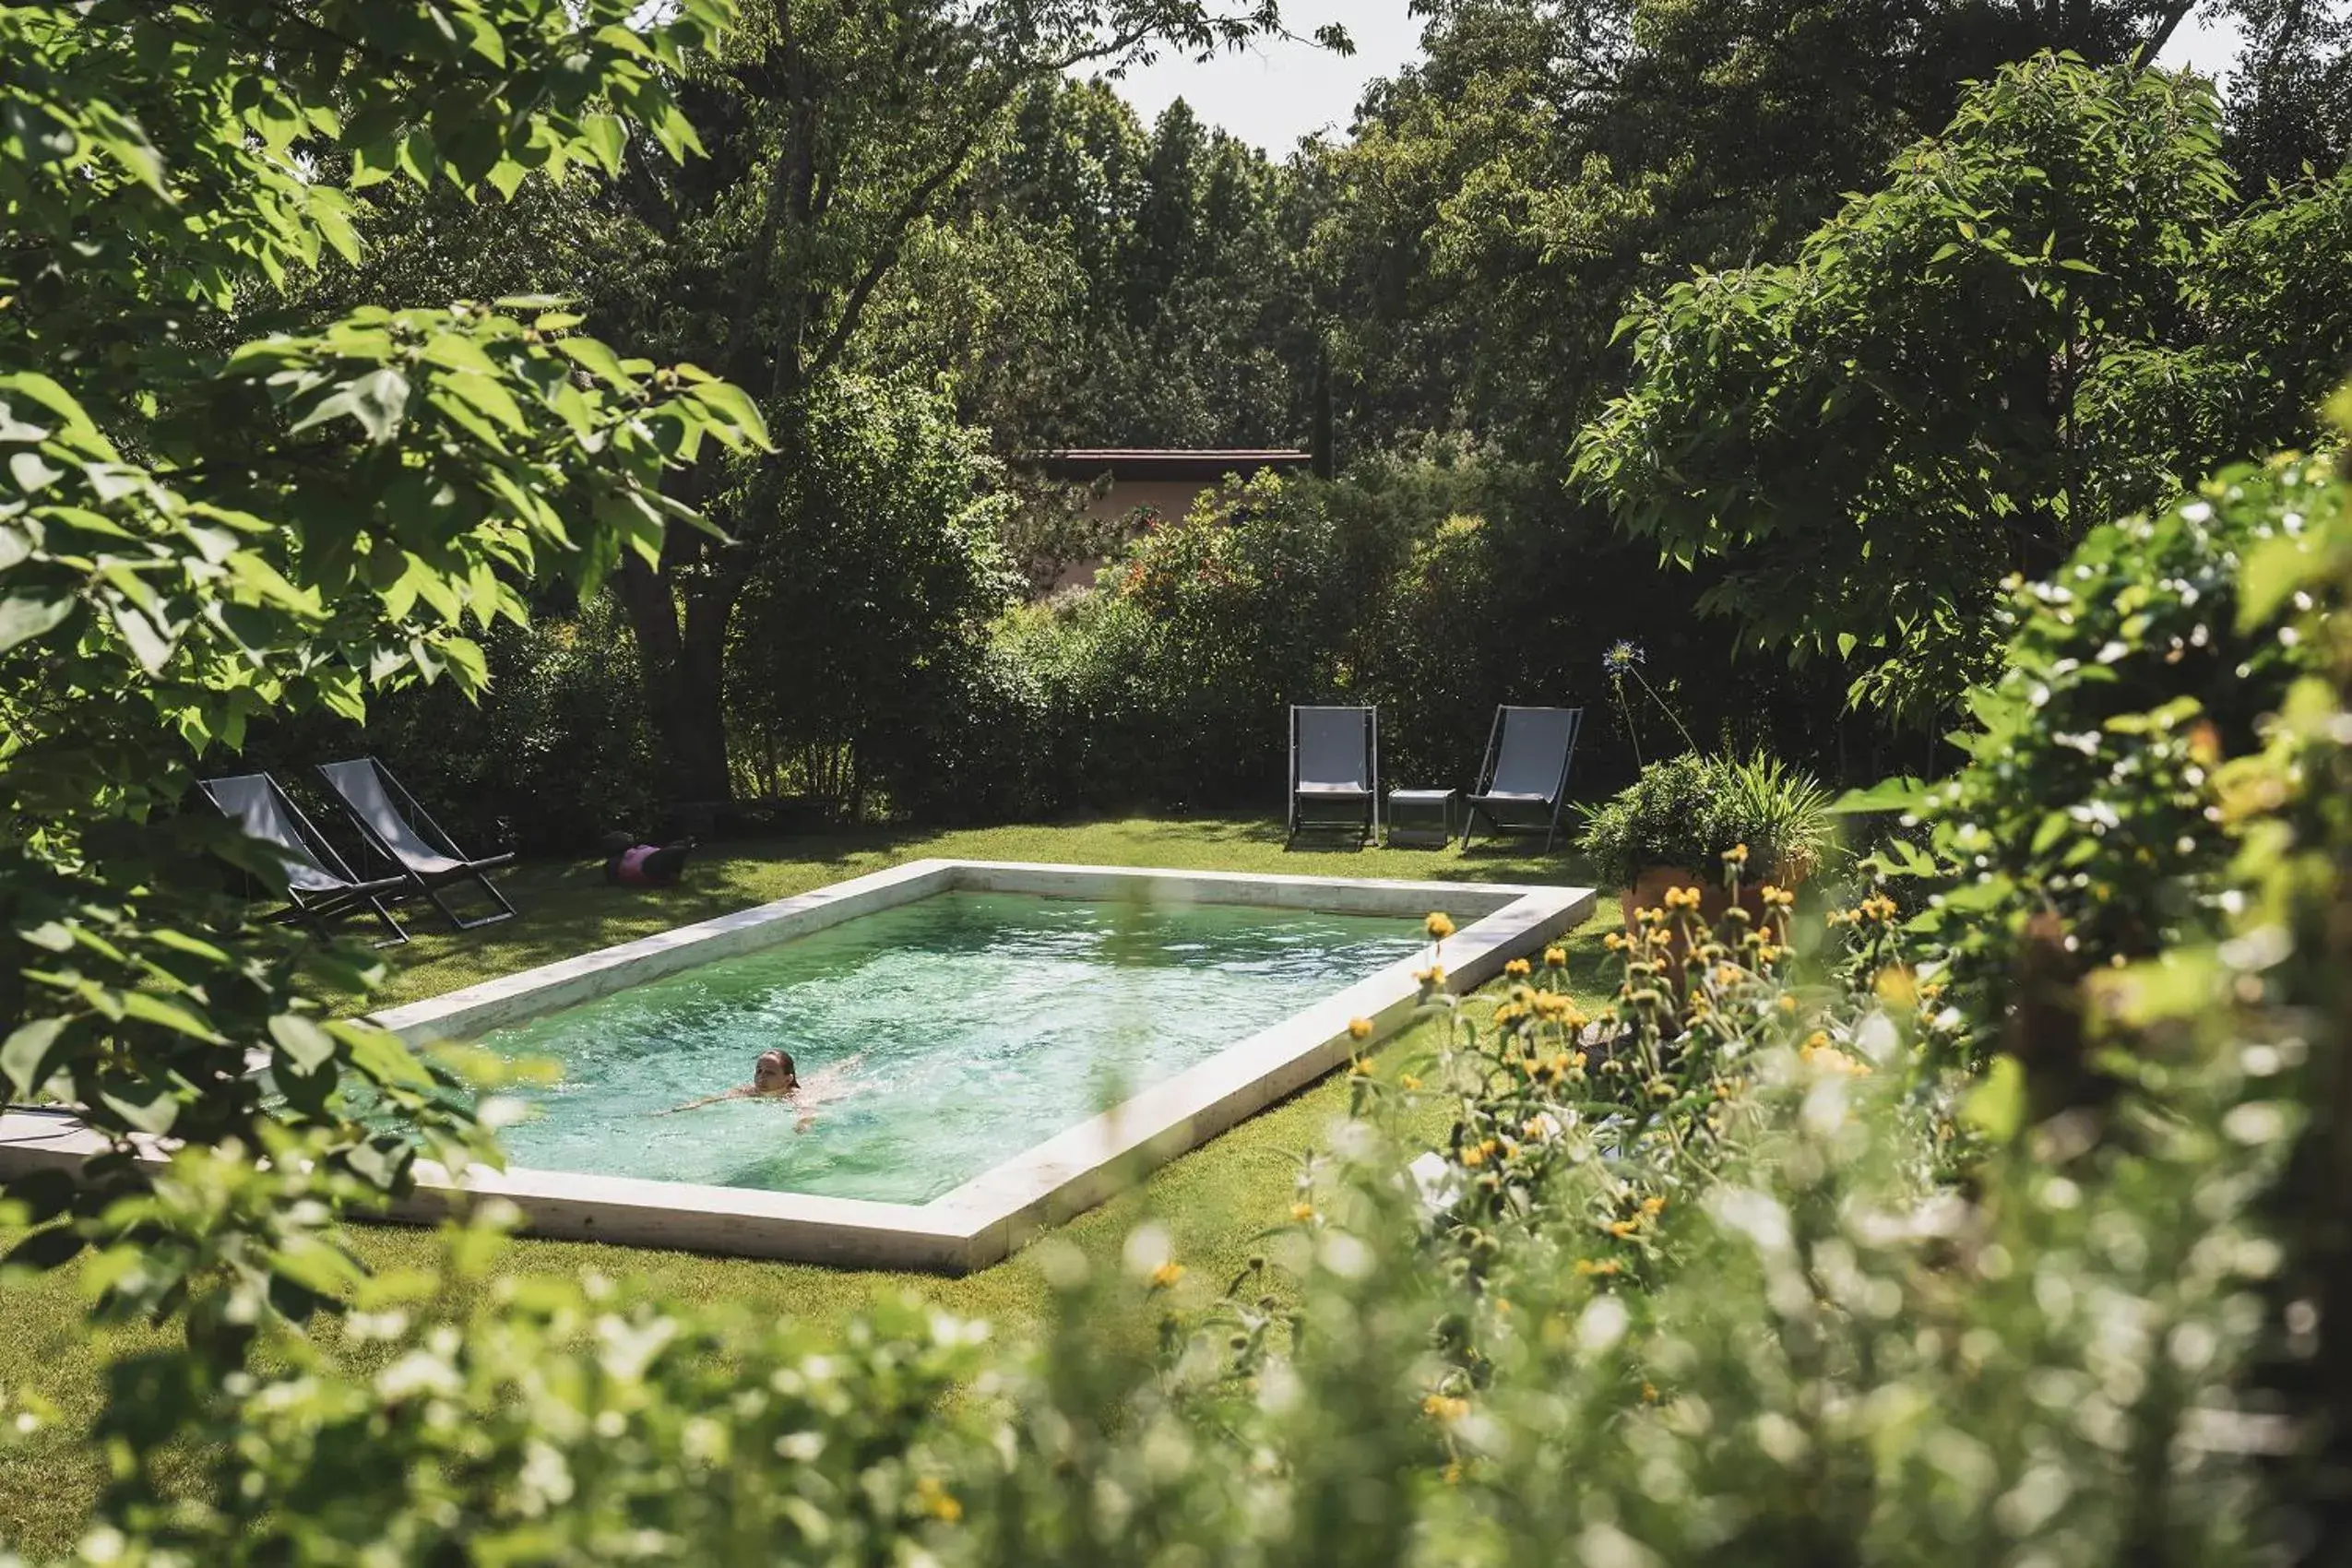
(1204, 463)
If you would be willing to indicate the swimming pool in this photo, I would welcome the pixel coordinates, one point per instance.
(930, 1039)
(1037, 1177)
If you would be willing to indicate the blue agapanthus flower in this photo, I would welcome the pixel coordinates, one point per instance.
(1622, 657)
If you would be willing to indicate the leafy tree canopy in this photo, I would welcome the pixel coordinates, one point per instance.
(1870, 437)
(195, 529)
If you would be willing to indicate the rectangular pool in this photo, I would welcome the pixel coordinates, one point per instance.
(930, 1039)
(990, 1047)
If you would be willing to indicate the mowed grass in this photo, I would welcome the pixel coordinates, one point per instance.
(1217, 1203)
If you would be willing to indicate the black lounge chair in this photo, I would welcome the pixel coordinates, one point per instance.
(1524, 781)
(318, 885)
(1334, 770)
(407, 834)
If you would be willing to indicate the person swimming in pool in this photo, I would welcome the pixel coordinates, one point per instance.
(772, 1078)
(775, 1077)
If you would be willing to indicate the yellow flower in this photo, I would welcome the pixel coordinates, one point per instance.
(1406, 1081)
(1360, 1068)
(1433, 977)
(1359, 1028)
(1438, 927)
(1555, 957)
(1588, 1266)
(1737, 855)
(1452, 1472)
(1446, 1407)
(1517, 968)
(1649, 1394)
(1653, 1206)
(1613, 941)
(936, 1500)
(1621, 1229)
(1896, 985)
(1788, 1005)
(1829, 1059)
(1473, 1156)
(1303, 1212)
(1166, 1275)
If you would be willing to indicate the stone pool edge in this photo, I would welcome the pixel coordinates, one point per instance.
(983, 1221)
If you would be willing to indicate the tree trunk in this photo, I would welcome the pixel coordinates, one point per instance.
(684, 677)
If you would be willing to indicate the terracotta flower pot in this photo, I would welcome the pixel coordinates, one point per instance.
(1649, 891)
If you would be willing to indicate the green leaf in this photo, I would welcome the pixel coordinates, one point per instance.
(154, 1115)
(55, 398)
(596, 358)
(382, 1057)
(487, 396)
(2274, 570)
(307, 1045)
(32, 473)
(25, 1057)
(318, 1266)
(148, 645)
(24, 617)
(2052, 827)
(171, 1015)
(1905, 795)
(1996, 1106)
(607, 138)
(379, 401)
(734, 405)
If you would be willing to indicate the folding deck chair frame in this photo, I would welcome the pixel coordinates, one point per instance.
(1520, 808)
(302, 848)
(405, 834)
(1358, 789)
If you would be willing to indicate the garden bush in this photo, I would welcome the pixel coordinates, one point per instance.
(2098, 806)
(1435, 583)
(1690, 811)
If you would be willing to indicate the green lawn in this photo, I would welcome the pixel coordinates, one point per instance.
(1215, 1202)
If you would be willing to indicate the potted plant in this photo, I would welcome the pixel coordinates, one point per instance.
(1673, 826)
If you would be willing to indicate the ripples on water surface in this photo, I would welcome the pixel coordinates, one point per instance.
(943, 1037)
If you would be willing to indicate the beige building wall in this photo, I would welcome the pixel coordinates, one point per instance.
(1171, 498)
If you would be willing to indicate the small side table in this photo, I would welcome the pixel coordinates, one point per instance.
(1421, 816)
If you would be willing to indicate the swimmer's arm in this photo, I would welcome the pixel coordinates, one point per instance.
(706, 1100)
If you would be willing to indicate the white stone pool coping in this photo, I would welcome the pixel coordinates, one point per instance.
(986, 1218)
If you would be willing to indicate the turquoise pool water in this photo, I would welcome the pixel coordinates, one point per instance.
(934, 1040)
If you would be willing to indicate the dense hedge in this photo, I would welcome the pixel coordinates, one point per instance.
(1435, 587)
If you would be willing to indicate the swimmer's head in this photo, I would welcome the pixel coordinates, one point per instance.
(773, 1074)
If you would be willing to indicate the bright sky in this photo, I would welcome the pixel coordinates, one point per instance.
(1274, 93)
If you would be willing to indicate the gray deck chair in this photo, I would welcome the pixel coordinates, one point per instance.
(1335, 769)
(318, 885)
(1524, 781)
(408, 835)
